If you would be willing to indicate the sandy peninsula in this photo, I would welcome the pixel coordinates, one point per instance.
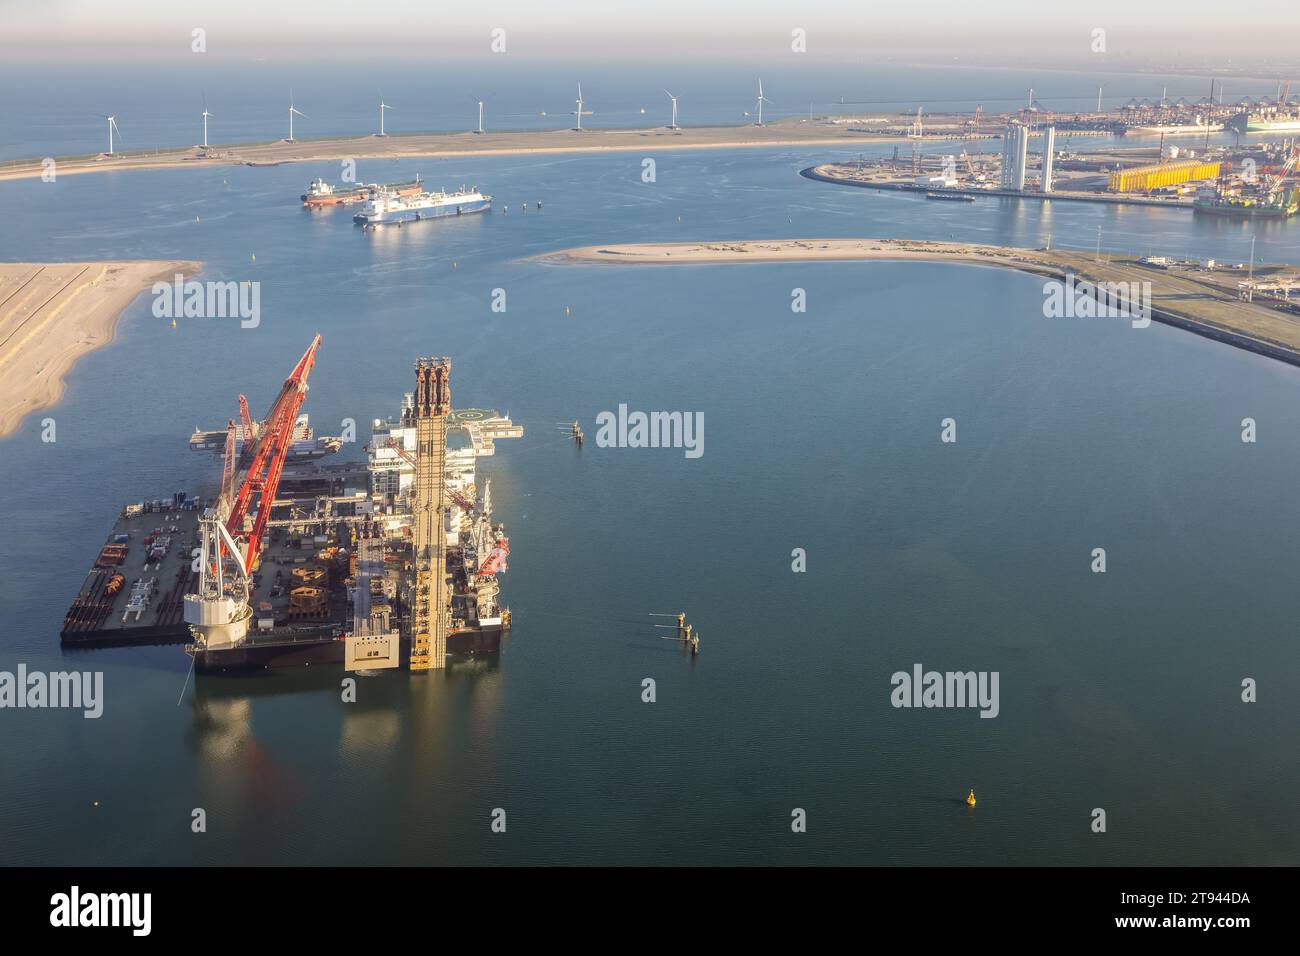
(793, 250)
(51, 314)
(1207, 302)
(786, 132)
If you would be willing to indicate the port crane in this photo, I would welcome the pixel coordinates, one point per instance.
(218, 612)
(1273, 185)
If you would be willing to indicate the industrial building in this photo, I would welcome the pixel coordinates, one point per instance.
(1015, 156)
(1141, 179)
(1049, 157)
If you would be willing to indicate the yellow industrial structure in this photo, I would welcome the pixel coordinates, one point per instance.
(1142, 179)
(431, 600)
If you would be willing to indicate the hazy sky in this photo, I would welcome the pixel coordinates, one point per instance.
(645, 29)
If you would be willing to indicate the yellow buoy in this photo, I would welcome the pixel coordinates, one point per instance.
(970, 798)
(173, 323)
(255, 257)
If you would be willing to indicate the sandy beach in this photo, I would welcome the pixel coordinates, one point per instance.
(788, 132)
(51, 314)
(799, 250)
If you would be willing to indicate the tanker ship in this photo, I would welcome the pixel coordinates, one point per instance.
(385, 207)
(321, 193)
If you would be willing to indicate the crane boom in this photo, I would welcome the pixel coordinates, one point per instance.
(265, 456)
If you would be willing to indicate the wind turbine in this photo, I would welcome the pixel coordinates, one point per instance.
(580, 112)
(382, 106)
(205, 115)
(480, 113)
(293, 109)
(112, 126)
(673, 124)
(761, 100)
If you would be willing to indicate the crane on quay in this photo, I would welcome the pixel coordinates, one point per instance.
(231, 533)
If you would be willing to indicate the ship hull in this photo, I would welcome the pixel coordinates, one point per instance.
(260, 655)
(346, 199)
(1247, 212)
(399, 216)
(257, 655)
(360, 195)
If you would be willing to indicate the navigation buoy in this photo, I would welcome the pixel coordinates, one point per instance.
(196, 218)
(173, 323)
(568, 311)
(970, 798)
(255, 257)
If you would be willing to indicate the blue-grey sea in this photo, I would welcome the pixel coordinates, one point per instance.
(1119, 691)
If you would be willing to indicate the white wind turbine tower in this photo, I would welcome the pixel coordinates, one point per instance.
(480, 113)
(761, 100)
(292, 110)
(580, 112)
(112, 126)
(205, 115)
(382, 106)
(673, 124)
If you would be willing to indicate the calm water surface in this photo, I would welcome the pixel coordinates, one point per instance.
(1118, 691)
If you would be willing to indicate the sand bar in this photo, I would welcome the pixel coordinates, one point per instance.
(1205, 302)
(786, 132)
(51, 314)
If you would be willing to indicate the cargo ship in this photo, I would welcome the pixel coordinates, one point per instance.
(321, 193)
(1265, 123)
(1178, 129)
(385, 208)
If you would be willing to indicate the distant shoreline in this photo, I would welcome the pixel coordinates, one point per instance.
(780, 133)
(53, 314)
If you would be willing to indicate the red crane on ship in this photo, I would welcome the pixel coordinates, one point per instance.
(262, 457)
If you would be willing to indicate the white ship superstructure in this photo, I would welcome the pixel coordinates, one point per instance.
(385, 207)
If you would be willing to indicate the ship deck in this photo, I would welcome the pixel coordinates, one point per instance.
(96, 617)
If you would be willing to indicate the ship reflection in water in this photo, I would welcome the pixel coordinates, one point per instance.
(391, 725)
